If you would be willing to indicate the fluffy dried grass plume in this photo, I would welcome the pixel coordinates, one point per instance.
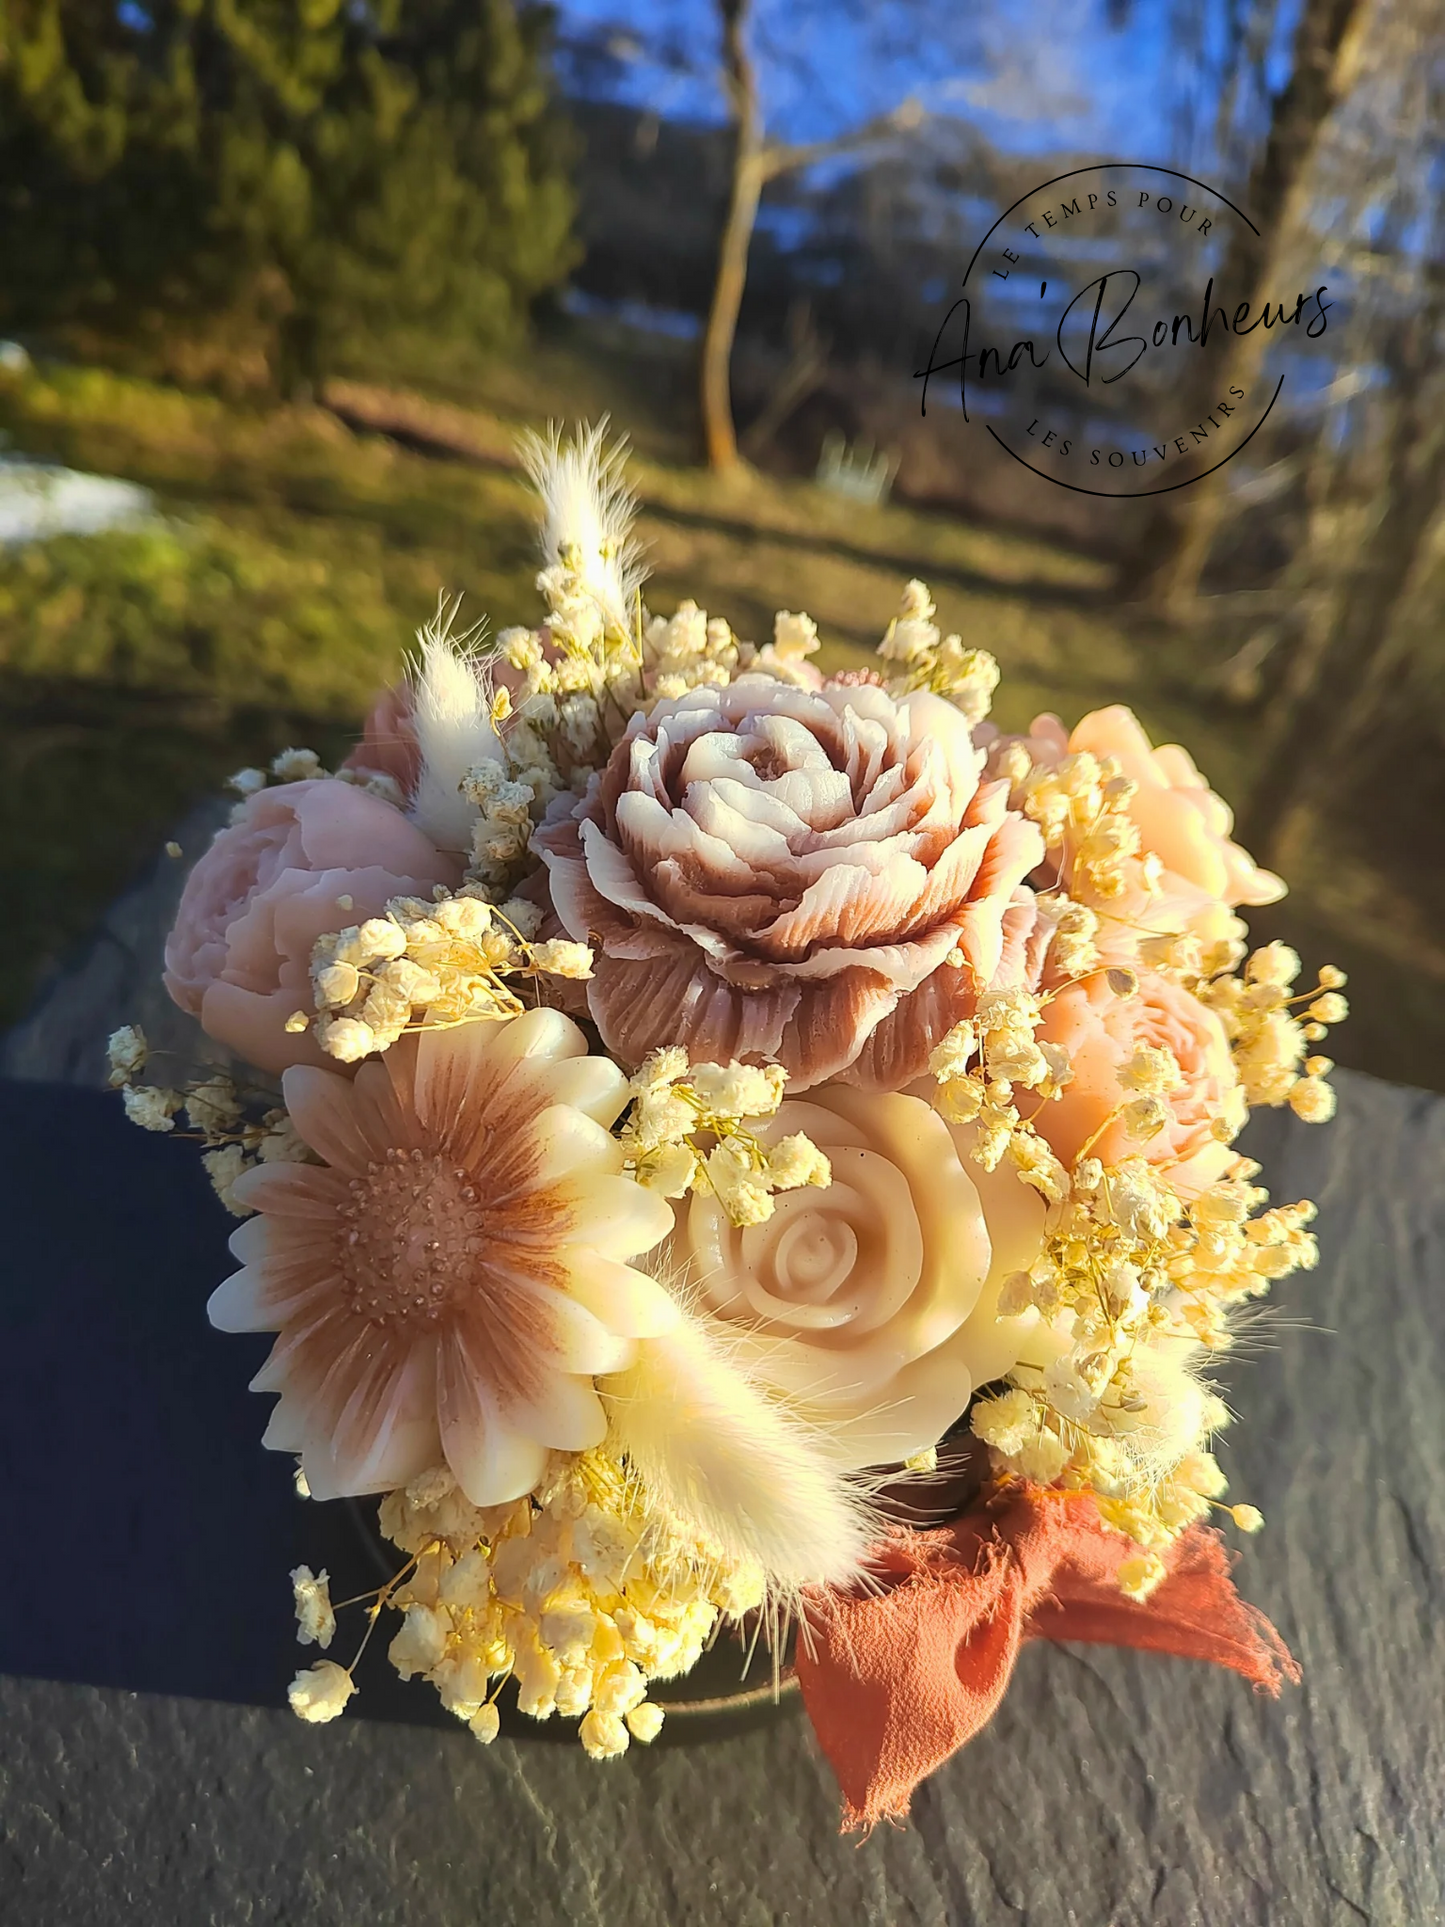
(451, 719)
(718, 1450)
(587, 513)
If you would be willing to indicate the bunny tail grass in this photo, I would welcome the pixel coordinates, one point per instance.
(587, 514)
(714, 1449)
(453, 728)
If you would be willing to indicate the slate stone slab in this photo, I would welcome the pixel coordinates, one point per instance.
(148, 1769)
(115, 978)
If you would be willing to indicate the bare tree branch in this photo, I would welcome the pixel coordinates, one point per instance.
(778, 159)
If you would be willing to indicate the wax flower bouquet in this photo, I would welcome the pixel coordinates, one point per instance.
(725, 1146)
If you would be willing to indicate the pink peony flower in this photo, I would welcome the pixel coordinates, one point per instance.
(239, 956)
(815, 877)
(388, 741)
(1179, 818)
(1101, 1033)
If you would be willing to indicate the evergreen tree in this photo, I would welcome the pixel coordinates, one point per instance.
(307, 174)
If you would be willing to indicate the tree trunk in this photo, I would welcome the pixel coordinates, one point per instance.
(719, 435)
(806, 367)
(1353, 659)
(1180, 536)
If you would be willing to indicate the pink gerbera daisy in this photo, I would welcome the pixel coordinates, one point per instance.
(448, 1280)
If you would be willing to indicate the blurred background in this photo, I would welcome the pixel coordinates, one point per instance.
(280, 280)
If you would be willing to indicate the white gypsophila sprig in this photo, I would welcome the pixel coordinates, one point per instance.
(1135, 1287)
(675, 1104)
(315, 1617)
(214, 1110)
(921, 657)
(1132, 1286)
(319, 1693)
(127, 1050)
(587, 513)
(304, 766)
(428, 965)
(583, 1592)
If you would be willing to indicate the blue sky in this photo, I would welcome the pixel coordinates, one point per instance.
(1117, 79)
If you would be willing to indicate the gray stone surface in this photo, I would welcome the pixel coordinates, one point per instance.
(115, 978)
(147, 1771)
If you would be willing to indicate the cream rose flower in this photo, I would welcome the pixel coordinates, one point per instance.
(814, 877)
(448, 1282)
(869, 1305)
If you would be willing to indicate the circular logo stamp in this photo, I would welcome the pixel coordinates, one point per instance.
(1098, 339)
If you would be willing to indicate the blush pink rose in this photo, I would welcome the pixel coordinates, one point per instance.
(814, 877)
(1101, 1032)
(1179, 818)
(1167, 912)
(240, 953)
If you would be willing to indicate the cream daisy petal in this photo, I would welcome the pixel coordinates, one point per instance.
(629, 1301)
(256, 1299)
(284, 1430)
(297, 1242)
(569, 1416)
(410, 1450)
(387, 1433)
(320, 1321)
(452, 1076)
(492, 1461)
(615, 1216)
(540, 1036)
(579, 1340)
(567, 1141)
(329, 1477)
(320, 1104)
(239, 1303)
(584, 1344)
(383, 1113)
(593, 1085)
(290, 1190)
(250, 1241)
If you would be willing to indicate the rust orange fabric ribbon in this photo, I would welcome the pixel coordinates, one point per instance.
(898, 1680)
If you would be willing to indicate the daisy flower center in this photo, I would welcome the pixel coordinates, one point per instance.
(413, 1231)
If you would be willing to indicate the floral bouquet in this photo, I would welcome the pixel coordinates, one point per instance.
(722, 1146)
